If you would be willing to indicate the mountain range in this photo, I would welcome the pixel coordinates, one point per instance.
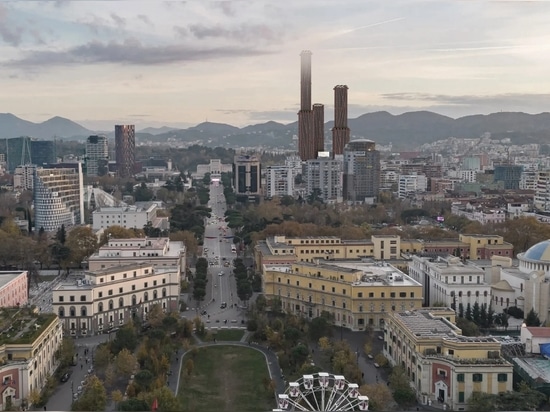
(405, 131)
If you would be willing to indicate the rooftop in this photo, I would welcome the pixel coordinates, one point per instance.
(538, 368)
(7, 277)
(22, 325)
(539, 332)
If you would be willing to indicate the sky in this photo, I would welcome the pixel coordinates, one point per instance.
(155, 63)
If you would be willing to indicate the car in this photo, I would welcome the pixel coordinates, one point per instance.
(376, 365)
(380, 337)
(370, 356)
(65, 377)
(203, 312)
(223, 305)
(220, 274)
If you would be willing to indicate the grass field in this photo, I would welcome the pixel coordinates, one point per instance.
(229, 335)
(225, 378)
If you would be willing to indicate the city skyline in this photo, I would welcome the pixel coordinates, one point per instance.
(179, 64)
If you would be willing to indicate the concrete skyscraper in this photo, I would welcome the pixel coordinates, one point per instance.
(340, 131)
(361, 171)
(97, 155)
(306, 145)
(125, 146)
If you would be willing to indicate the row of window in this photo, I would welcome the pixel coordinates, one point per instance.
(359, 294)
(478, 377)
(109, 292)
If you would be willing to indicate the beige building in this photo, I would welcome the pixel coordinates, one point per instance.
(28, 345)
(106, 299)
(356, 294)
(162, 253)
(444, 367)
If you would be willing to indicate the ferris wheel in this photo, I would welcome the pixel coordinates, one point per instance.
(322, 392)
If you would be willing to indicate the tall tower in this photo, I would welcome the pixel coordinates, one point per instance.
(306, 147)
(340, 131)
(318, 128)
(97, 155)
(125, 146)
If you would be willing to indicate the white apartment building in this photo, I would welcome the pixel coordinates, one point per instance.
(542, 191)
(162, 253)
(448, 281)
(279, 181)
(129, 217)
(23, 177)
(409, 185)
(97, 155)
(106, 299)
(528, 180)
(469, 176)
(326, 175)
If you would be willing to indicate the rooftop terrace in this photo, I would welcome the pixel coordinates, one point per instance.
(22, 325)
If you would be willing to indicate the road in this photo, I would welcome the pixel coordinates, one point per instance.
(220, 307)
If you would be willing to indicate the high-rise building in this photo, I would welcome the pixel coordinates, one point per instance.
(318, 128)
(324, 178)
(18, 152)
(279, 181)
(247, 175)
(97, 155)
(306, 145)
(361, 171)
(58, 198)
(509, 174)
(125, 146)
(340, 131)
(42, 152)
(23, 177)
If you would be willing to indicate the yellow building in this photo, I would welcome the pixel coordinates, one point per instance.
(28, 345)
(356, 294)
(444, 367)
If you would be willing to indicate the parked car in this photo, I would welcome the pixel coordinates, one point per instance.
(376, 365)
(65, 377)
(223, 305)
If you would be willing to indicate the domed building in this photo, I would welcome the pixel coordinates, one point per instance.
(536, 258)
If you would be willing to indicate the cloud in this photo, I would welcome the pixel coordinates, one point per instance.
(145, 19)
(130, 51)
(13, 35)
(286, 114)
(119, 21)
(226, 7)
(181, 31)
(243, 32)
(496, 99)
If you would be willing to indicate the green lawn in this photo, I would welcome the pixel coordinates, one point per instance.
(229, 335)
(225, 378)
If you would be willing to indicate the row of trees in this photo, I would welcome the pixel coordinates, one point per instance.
(200, 280)
(243, 280)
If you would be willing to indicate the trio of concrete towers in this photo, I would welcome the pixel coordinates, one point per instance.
(311, 119)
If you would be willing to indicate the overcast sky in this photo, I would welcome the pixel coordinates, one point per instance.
(180, 63)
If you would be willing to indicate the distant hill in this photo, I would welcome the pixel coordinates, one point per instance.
(406, 131)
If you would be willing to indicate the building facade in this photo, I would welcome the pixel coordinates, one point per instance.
(129, 217)
(361, 171)
(340, 131)
(58, 198)
(355, 294)
(324, 176)
(29, 356)
(161, 253)
(444, 367)
(43, 152)
(125, 147)
(23, 177)
(97, 155)
(279, 181)
(247, 175)
(106, 299)
(306, 142)
(13, 289)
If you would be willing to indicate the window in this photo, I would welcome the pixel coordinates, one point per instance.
(100, 294)
(333, 290)
(154, 283)
(477, 377)
(383, 294)
(111, 304)
(360, 295)
(83, 298)
(322, 287)
(163, 292)
(146, 284)
(100, 307)
(83, 311)
(460, 377)
(110, 292)
(402, 294)
(61, 312)
(134, 300)
(392, 294)
(133, 287)
(146, 296)
(461, 397)
(154, 294)
(371, 294)
(120, 302)
(502, 377)
(61, 298)
(412, 294)
(120, 290)
(71, 298)
(112, 278)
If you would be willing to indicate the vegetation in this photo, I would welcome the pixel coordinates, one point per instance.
(524, 399)
(229, 335)
(200, 280)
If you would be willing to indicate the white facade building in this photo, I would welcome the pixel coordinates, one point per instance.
(128, 217)
(279, 181)
(450, 282)
(97, 155)
(23, 177)
(542, 192)
(106, 299)
(325, 175)
(409, 185)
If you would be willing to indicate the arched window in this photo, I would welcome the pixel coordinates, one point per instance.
(146, 296)
(100, 307)
(83, 311)
(120, 302)
(111, 304)
(61, 312)
(72, 311)
(134, 300)
(154, 294)
(164, 292)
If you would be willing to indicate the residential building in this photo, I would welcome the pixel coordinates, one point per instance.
(340, 131)
(247, 175)
(510, 175)
(14, 290)
(97, 155)
(125, 147)
(161, 253)
(324, 176)
(444, 367)
(28, 347)
(23, 177)
(361, 171)
(58, 198)
(279, 181)
(449, 282)
(355, 294)
(542, 191)
(106, 299)
(409, 185)
(128, 217)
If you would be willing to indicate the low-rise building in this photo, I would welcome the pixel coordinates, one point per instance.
(444, 367)
(14, 289)
(161, 253)
(129, 217)
(28, 345)
(355, 294)
(105, 299)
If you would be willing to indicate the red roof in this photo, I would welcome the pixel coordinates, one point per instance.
(539, 332)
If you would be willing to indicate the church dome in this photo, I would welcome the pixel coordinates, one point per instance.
(538, 253)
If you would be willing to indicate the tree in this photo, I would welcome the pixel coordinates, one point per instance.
(468, 313)
(125, 362)
(380, 397)
(125, 338)
(94, 397)
(532, 318)
(468, 327)
(318, 327)
(61, 235)
(189, 366)
(481, 402)
(476, 313)
(144, 378)
(82, 243)
(133, 404)
(117, 397)
(102, 356)
(67, 352)
(399, 383)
